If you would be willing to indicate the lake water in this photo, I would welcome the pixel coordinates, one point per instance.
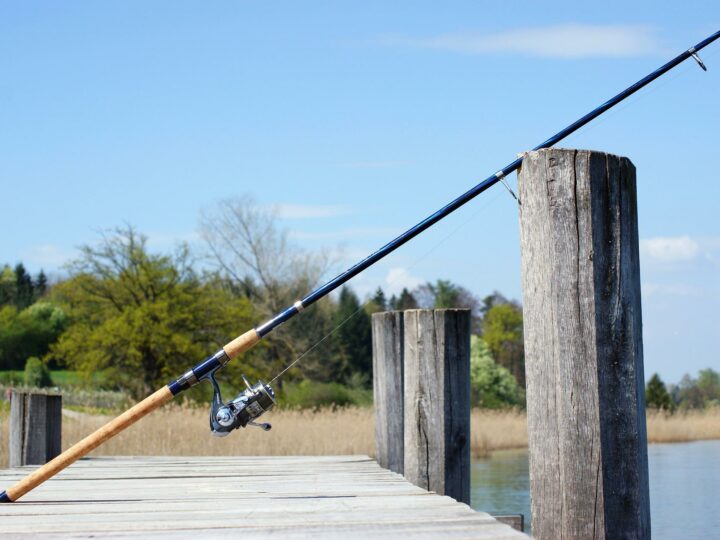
(684, 488)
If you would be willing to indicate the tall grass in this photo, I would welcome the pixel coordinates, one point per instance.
(182, 430)
(497, 430)
(683, 426)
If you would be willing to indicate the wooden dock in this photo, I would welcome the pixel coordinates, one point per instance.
(253, 497)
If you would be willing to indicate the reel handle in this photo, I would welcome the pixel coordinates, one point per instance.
(241, 411)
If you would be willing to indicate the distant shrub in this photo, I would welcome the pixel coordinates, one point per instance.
(36, 373)
(310, 395)
(11, 378)
(492, 386)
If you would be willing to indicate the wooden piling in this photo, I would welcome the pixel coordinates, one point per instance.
(388, 393)
(35, 427)
(583, 346)
(437, 400)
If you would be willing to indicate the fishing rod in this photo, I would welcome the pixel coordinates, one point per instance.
(255, 400)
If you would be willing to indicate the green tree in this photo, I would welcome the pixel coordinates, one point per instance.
(377, 302)
(353, 338)
(446, 294)
(657, 396)
(492, 386)
(491, 300)
(24, 287)
(503, 333)
(405, 301)
(41, 285)
(36, 373)
(8, 286)
(688, 395)
(142, 318)
(29, 332)
(708, 383)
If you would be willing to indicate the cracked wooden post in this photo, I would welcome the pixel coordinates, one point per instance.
(437, 400)
(583, 346)
(387, 337)
(35, 427)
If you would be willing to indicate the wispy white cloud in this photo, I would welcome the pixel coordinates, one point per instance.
(559, 41)
(311, 211)
(48, 255)
(670, 249)
(399, 278)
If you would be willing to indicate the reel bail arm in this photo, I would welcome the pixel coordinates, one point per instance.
(243, 410)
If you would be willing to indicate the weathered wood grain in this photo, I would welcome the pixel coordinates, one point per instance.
(222, 497)
(516, 521)
(437, 400)
(583, 346)
(35, 427)
(89, 443)
(388, 392)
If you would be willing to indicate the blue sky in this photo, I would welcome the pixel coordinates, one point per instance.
(358, 120)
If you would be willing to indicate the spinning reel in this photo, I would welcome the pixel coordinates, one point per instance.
(241, 411)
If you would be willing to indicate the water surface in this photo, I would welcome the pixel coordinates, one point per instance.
(684, 488)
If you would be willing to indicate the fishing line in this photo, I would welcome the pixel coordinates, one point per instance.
(583, 130)
(255, 400)
(486, 203)
(631, 102)
(635, 98)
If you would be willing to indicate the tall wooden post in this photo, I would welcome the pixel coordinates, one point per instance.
(583, 346)
(35, 428)
(388, 393)
(437, 400)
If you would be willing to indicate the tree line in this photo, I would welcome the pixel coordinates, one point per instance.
(141, 318)
(701, 392)
(29, 323)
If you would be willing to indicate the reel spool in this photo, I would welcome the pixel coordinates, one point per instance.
(241, 411)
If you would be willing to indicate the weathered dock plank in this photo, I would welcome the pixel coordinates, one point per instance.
(222, 497)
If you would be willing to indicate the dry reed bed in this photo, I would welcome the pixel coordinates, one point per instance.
(682, 427)
(178, 430)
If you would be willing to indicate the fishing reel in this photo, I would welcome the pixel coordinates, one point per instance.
(241, 411)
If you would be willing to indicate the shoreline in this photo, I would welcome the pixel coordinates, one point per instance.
(182, 430)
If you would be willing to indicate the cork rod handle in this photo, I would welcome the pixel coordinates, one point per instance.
(241, 343)
(89, 443)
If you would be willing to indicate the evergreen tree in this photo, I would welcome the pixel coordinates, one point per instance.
(405, 301)
(24, 287)
(447, 294)
(8, 286)
(657, 396)
(36, 374)
(40, 285)
(490, 301)
(379, 300)
(353, 337)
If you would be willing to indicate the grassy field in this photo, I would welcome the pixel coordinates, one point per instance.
(178, 430)
(63, 378)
